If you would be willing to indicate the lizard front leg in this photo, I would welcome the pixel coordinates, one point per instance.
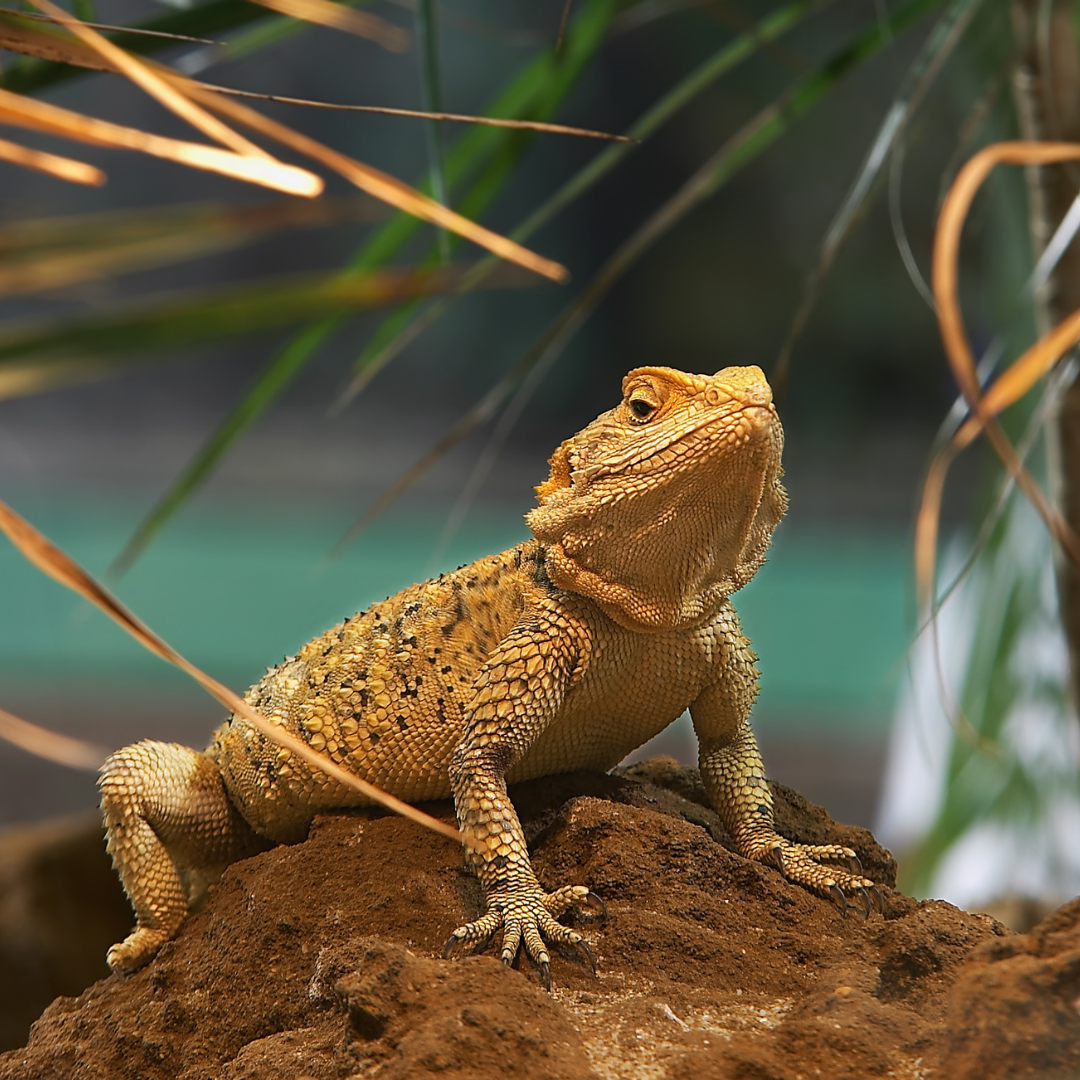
(518, 692)
(734, 778)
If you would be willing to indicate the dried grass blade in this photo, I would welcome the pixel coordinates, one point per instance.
(61, 568)
(51, 745)
(1023, 373)
(380, 184)
(420, 114)
(63, 168)
(41, 116)
(140, 74)
(338, 17)
(1011, 385)
(46, 45)
(133, 30)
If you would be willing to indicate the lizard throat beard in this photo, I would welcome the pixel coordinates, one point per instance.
(658, 548)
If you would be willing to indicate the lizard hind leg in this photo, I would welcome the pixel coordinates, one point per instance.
(171, 828)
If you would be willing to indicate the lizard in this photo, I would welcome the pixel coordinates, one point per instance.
(565, 652)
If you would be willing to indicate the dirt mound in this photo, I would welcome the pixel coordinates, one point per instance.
(316, 961)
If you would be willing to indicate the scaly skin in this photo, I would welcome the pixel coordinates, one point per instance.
(565, 652)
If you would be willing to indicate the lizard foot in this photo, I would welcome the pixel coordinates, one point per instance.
(528, 917)
(808, 865)
(137, 949)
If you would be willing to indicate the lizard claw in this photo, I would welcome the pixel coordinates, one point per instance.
(778, 860)
(867, 901)
(526, 918)
(809, 865)
(839, 899)
(475, 933)
(596, 905)
(453, 947)
(582, 947)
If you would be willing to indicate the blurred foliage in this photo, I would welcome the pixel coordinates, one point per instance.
(967, 43)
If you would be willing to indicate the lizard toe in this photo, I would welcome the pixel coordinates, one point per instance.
(472, 934)
(511, 941)
(574, 896)
(137, 949)
(814, 867)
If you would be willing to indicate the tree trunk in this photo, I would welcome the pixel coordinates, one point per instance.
(1047, 93)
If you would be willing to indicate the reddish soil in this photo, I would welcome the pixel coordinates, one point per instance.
(318, 960)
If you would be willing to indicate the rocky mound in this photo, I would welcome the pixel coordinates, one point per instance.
(317, 961)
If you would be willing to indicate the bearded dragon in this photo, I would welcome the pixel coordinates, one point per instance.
(565, 652)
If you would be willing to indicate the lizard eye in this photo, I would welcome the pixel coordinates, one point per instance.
(641, 408)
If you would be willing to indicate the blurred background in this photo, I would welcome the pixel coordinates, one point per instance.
(778, 210)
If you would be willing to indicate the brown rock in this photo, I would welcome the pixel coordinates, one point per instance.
(1014, 1010)
(318, 961)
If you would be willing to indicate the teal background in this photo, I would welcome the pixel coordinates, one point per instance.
(237, 589)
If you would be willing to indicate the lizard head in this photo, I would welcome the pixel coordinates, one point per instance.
(666, 504)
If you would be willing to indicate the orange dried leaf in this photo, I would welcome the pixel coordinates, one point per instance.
(76, 172)
(51, 745)
(1011, 385)
(41, 116)
(143, 76)
(338, 17)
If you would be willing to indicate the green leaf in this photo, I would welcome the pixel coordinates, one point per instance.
(272, 381)
(427, 36)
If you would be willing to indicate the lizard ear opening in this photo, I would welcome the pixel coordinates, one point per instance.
(560, 478)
